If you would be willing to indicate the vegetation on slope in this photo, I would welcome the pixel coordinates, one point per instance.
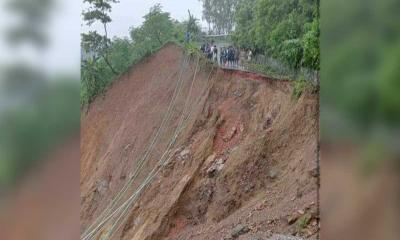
(157, 29)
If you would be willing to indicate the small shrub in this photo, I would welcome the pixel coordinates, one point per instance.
(192, 49)
(300, 85)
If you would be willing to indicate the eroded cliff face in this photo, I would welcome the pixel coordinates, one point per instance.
(240, 154)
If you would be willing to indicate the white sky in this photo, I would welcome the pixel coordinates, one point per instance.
(63, 53)
(129, 13)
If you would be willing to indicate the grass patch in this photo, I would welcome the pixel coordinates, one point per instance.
(303, 221)
(192, 49)
(268, 71)
(299, 86)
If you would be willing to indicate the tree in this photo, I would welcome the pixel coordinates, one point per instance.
(220, 14)
(93, 42)
(157, 29)
(244, 32)
(192, 25)
(311, 56)
(286, 30)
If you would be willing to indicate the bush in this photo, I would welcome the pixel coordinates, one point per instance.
(311, 57)
(292, 53)
(192, 49)
(92, 83)
(299, 86)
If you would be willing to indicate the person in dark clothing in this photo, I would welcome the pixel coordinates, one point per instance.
(221, 57)
(187, 37)
(228, 56)
(231, 56)
(207, 50)
(237, 55)
(215, 54)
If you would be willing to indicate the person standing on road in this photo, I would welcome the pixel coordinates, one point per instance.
(237, 54)
(187, 37)
(231, 56)
(208, 51)
(222, 57)
(249, 55)
(215, 54)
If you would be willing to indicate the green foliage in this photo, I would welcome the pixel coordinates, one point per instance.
(299, 86)
(193, 26)
(157, 29)
(292, 52)
(303, 221)
(360, 72)
(121, 54)
(388, 86)
(269, 71)
(95, 44)
(192, 49)
(30, 130)
(98, 11)
(244, 33)
(220, 14)
(103, 57)
(286, 30)
(311, 56)
(96, 48)
(92, 83)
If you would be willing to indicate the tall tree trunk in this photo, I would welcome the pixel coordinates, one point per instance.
(105, 56)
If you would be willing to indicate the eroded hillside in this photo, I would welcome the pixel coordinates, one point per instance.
(230, 155)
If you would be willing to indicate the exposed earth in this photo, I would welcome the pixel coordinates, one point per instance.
(244, 164)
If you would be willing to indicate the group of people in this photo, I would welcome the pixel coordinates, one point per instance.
(210, 51)
(229, 56)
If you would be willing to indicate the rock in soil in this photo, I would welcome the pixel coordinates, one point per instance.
(273, 173)
(239, 230)
(215, 168)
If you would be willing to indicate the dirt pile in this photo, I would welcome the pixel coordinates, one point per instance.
(244, 165)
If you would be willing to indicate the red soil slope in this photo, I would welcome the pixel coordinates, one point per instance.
(247, 156)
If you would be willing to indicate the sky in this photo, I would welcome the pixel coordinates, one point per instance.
(65, 25)
(129, 13)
